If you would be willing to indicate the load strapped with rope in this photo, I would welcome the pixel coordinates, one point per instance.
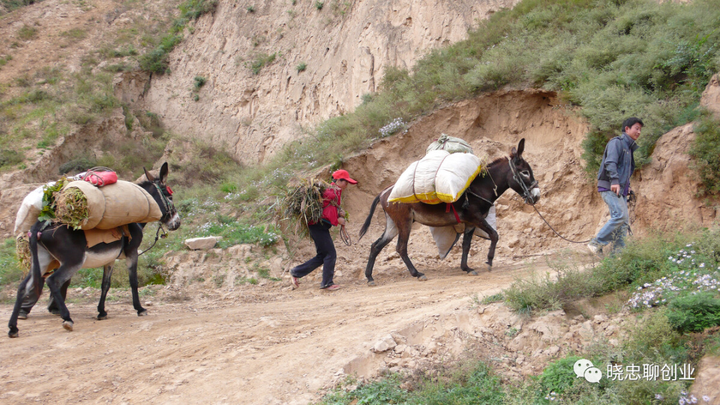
(439, 177)
(442, 176)
(94, 201)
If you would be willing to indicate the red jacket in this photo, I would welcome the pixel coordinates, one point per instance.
(330, 211)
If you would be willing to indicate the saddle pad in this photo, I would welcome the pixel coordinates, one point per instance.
(98, 236)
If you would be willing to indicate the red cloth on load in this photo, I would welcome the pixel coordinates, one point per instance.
(100, 178)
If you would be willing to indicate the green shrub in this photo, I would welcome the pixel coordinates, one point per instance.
(77, 165)
(705, 151)
(558, 377)
(194, 9)
(319, 5)
(10, 157)
(156, 61)
(261, 61)
(251, 9)
(301, 67)
(694, 312)
(199, 81)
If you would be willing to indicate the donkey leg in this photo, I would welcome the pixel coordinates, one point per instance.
(132, 271)
(107, 279)
(377, 247)
(402, 251)
(467, 240)
(482, 224)
(55, 282)
(52, 306)
(22, 290)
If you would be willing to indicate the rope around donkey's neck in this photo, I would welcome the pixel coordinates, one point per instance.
(556, 233)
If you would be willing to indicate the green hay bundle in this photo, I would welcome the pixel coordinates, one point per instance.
(71, 208)
(22, 251)
(303, 204)
(47, 213)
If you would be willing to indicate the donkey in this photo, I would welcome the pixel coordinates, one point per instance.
(471, 208)
(61, 248)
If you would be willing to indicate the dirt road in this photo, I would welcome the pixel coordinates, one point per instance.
(264, 345)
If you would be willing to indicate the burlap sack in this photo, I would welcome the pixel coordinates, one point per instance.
(450, 144)
(117, 204)
(438, 177)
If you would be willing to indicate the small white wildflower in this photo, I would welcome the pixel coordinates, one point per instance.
(706, 398)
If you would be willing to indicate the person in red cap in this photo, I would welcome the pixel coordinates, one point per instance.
(332, 215)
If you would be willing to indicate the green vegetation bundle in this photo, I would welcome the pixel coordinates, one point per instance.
(71, 207)
(47, 213)
(303, 203)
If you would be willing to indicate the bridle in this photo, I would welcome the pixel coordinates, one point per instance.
(167, 203)
(527, 194)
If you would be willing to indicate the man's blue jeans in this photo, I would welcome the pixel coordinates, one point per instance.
(616, 228)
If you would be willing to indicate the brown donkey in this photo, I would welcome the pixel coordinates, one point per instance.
(471, 208)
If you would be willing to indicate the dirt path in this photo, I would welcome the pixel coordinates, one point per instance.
(275, 346)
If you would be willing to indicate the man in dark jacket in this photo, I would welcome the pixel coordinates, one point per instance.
(617, 166)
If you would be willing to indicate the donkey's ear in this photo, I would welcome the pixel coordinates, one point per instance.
(148, 176)
(521, 147)
(164, 173)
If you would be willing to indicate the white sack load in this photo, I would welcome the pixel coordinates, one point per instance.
(447, 236)
(439, 177)
(29, 211)
(450, 144)
(31, 206)
(116, 204)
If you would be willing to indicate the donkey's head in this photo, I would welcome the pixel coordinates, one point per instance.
(521, 175)
(163, 197)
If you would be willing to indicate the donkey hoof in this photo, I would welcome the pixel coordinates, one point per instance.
(371, 283)
(472, 273)
(143, 312)
(68, 325)
(102, 317)
(13, 333)
(489, 267)
(23, 315)
(422, 278)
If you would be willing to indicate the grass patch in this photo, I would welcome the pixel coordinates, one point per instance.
(10, 271)
(261, 61)
(235, 232)
(27, 32)
(473, 383)
(641, 263)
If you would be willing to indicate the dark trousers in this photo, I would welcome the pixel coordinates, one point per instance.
(325, 248)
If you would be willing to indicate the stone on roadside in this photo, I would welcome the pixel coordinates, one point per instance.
(205, 243)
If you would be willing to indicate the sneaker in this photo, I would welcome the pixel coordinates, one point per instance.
(595, 249)
(294, 282)
(332, 287)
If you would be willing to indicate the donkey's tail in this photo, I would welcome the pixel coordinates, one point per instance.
(366, 225)
(37, 278)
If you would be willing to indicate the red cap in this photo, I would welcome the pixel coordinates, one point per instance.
(344, 175)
